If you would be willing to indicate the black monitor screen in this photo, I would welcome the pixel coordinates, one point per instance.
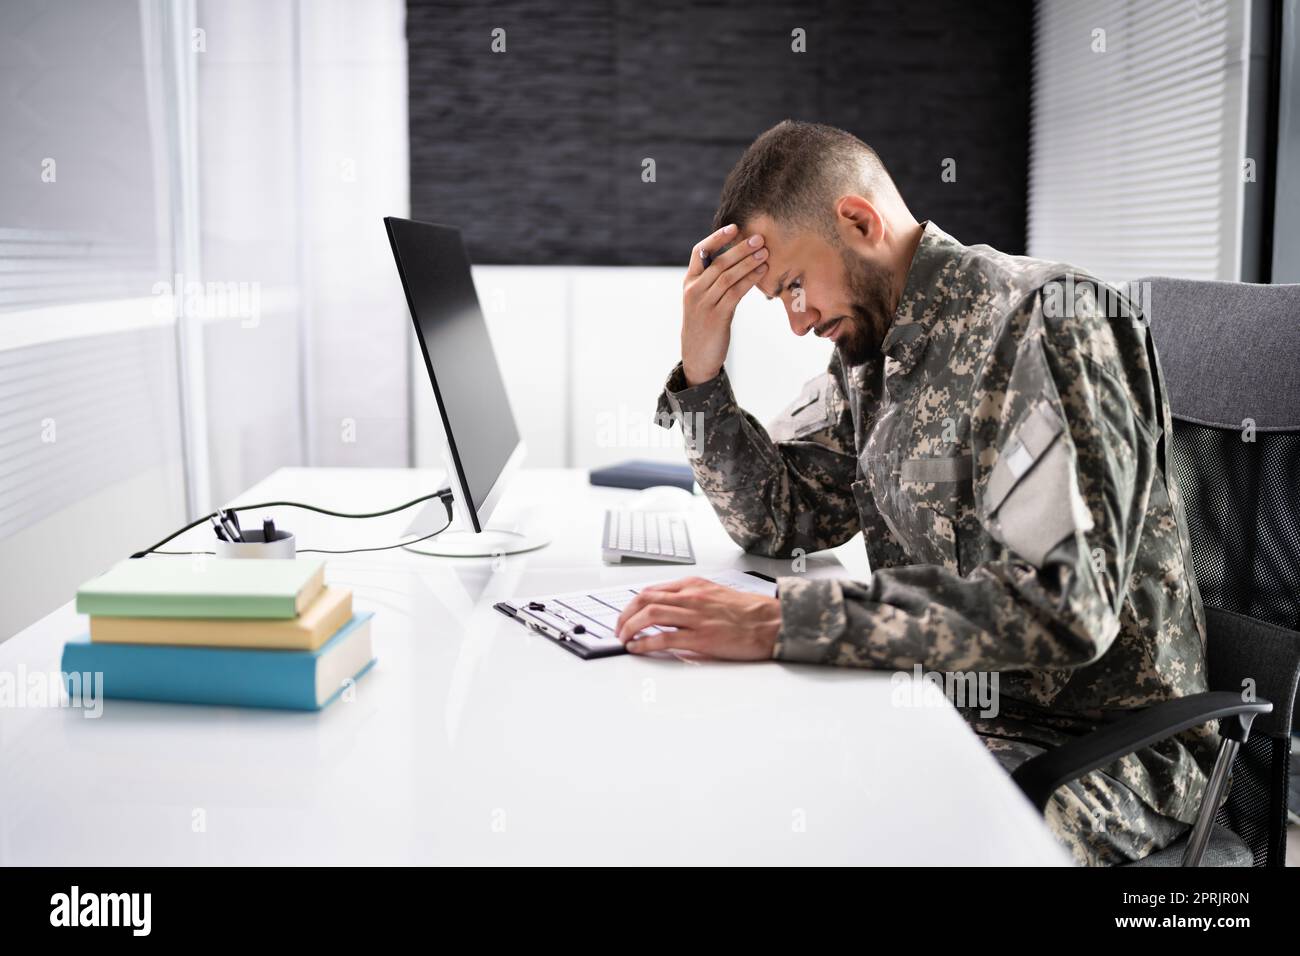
(458, 354)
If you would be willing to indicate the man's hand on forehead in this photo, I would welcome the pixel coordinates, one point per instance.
(723, 267)
(724, 240)
(709, 258)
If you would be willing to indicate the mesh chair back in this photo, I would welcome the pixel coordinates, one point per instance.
(1230, 355)
(1243, 508)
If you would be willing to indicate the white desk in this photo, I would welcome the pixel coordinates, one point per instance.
(474, 741)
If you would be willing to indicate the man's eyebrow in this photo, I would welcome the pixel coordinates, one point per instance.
(780, 285)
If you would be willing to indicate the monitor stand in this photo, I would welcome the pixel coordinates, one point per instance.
(493, 541)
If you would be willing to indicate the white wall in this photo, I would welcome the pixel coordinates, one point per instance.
(354, 158)
(302, 151)
(585, 351)
(248, 200)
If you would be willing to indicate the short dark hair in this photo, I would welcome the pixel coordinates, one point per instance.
(794, 171)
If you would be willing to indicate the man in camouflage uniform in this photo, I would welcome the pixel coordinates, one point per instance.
(993, 425)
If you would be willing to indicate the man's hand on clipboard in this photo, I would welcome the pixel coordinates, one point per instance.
(706, 618)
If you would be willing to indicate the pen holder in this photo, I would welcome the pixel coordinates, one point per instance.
(282, 546)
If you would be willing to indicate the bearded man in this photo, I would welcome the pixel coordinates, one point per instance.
(994, 426)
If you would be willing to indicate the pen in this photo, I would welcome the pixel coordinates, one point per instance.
(268, 529)
(531, 616)
(230, 515)
(539, 606)
(231, 533)
(706, 257)
(541, 627)
(216, 526)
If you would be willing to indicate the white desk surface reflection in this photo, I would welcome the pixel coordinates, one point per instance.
(473, 741)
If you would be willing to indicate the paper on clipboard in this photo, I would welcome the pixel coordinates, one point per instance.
(586, 619)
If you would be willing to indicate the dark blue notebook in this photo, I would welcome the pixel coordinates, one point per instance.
(644, 474)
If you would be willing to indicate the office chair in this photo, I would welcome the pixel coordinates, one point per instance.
(1230, 354)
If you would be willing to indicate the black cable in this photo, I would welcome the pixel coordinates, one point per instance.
(443, 493)
(386, 547)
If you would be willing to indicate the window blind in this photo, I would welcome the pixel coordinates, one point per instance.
(91, 461)
(1137, 136)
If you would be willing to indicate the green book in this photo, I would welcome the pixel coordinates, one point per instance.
(217, 587)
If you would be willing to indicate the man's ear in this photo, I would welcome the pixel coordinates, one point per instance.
(858, 222)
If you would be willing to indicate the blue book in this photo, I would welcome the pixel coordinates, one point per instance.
(644, 474)
(233, 676)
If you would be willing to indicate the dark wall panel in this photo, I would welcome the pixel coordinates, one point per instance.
(537, 152)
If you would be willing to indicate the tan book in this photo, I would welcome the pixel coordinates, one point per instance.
(331, 609)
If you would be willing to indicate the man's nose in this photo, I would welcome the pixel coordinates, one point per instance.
(801, 321)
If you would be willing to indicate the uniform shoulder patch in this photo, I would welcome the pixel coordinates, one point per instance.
(815, 409)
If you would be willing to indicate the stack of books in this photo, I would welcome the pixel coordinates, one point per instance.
(250, 633)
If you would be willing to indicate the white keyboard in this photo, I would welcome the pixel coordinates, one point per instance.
(648, 535)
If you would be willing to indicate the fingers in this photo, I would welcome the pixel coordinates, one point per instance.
(663, 593)
(676, 585)
(664, 640)
(738, 253)
(656, 615)
(739, 279)
(737, 291)
(710, 245)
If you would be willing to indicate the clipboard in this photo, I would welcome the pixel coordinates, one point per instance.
(567, 641)
(561, 626)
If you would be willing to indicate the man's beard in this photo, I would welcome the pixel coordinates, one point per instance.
(871, 312)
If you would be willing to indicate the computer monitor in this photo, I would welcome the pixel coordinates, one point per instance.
(482, 440)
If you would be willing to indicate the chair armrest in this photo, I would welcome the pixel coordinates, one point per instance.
(1038, 777)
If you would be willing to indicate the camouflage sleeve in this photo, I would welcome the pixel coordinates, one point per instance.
(774, 491)
(1064, 468)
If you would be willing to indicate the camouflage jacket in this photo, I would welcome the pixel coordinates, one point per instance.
(1005, 464)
